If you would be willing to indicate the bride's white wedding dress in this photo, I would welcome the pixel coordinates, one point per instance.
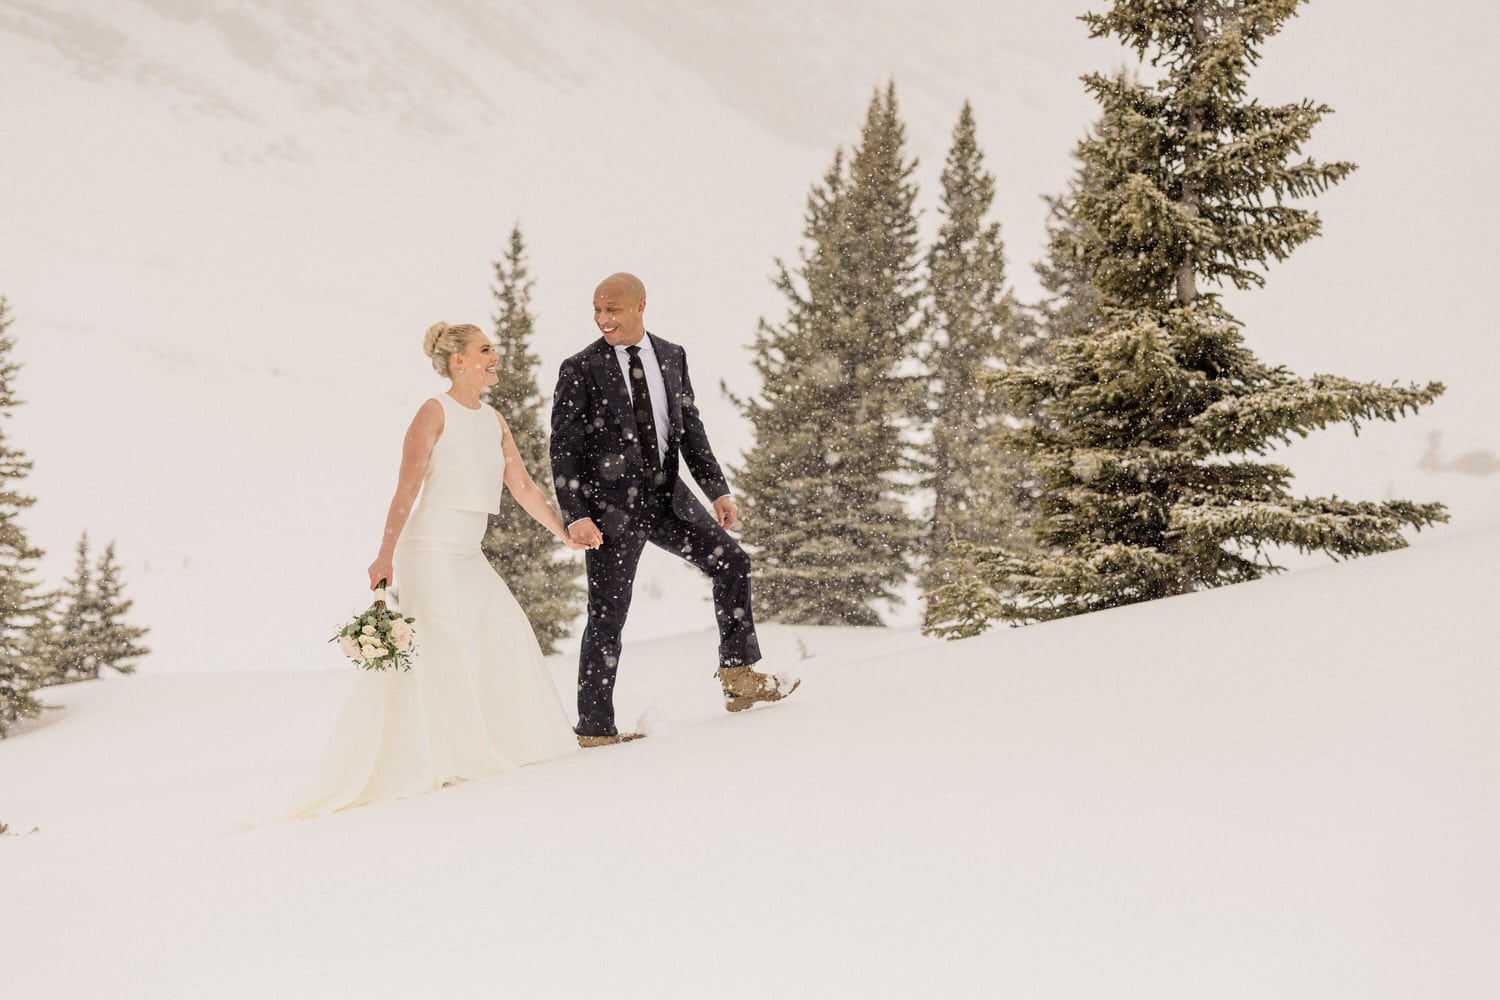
(478, 700)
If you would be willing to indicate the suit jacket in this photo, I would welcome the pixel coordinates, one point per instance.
(596, 452)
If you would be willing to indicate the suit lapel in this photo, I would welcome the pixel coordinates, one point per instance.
(616, 392)
(671, 375)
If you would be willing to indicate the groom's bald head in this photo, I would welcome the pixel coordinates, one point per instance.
(625, 283)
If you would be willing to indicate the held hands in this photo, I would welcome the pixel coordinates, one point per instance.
(584, 535)
(725, 512)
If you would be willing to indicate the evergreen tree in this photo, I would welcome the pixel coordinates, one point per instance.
(973, 324)
(545, 584)
(119, 641)
(825, 483)
(1155, 419)
(20, 607)
(43, 639)
(1070, 303)
(73, 643)
(87, 632)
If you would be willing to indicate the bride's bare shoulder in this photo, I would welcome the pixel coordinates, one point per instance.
(429, 419)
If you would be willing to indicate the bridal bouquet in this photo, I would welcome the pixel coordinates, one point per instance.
(378, 638)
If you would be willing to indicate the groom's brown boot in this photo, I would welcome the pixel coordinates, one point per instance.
(604, 741)
(744, 687)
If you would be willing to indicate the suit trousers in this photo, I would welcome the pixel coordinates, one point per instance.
(611, 577)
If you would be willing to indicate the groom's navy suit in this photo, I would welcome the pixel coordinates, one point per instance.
(599, 472)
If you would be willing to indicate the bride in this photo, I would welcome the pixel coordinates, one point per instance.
(478, 701)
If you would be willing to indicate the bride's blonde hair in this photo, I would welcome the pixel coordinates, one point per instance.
(442, 341)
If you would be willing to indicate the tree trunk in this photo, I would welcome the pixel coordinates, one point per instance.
(1187, 275)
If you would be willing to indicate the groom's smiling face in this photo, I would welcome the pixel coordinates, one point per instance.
(618, 314)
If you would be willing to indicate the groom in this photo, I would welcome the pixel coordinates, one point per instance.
(624, 422)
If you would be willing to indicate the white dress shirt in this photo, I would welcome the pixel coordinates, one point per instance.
(655, 384)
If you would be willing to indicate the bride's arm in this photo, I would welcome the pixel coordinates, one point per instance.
(415, 451)
(528, 494)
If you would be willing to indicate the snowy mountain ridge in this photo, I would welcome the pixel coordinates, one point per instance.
(455, 65)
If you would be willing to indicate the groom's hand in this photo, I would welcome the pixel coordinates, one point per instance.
(586, 533)
(726, 512)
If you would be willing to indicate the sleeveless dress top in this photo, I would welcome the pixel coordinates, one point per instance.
(467, 467)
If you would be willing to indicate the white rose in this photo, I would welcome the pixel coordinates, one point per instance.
(347, 647)
(401, 633)
(368, 630)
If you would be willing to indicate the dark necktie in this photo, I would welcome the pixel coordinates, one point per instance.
(645, 420)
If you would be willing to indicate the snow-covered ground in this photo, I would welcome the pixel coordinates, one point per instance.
(1286, 789)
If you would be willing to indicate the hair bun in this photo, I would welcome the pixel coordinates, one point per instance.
(431, 338)
(443, 340)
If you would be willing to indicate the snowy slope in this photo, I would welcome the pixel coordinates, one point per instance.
(225, 225)
(1281, 790)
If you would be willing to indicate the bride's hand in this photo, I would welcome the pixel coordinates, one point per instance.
(572, 545)
(586, 533)
(380, 569)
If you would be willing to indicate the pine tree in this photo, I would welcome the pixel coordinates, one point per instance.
(74, 642)
(545, 585)
(44, 639)
(1155, 419)
(825, 482)
(87, 632)
(1070, 303)
(118, 641)
(20, 607)
(973, 324)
